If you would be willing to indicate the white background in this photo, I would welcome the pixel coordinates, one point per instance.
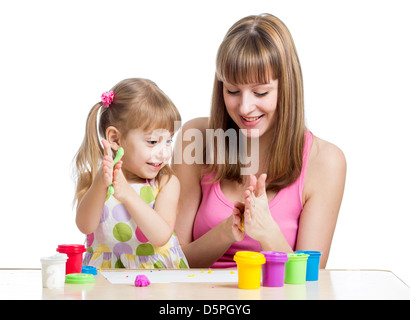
(57, 58)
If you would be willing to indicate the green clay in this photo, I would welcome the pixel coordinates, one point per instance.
(118, 156)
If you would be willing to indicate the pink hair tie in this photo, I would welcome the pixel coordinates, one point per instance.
(107, 98)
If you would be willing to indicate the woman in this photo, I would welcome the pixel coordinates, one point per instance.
(294, 202)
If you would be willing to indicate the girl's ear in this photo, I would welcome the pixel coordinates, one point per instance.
(113, 136)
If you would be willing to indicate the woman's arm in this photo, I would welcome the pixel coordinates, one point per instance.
(189, 176)
(204, 251)
(322, 196)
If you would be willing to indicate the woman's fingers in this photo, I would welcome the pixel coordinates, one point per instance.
(260, 188)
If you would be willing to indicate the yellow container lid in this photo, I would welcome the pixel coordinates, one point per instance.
(249, 257)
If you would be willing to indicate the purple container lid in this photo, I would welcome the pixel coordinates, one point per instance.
(275, 256)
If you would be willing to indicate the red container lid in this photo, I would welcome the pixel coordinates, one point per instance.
(71, 248)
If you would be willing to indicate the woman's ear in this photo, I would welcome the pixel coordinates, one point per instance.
(113, 136)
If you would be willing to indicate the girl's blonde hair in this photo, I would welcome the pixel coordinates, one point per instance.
(257, 49)
(138, 103)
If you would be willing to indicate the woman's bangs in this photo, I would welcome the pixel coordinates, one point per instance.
(246, 64)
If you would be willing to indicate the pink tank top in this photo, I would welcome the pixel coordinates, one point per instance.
(285, 208)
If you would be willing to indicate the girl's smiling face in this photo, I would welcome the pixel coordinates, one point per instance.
(145, 153)
(252, 106)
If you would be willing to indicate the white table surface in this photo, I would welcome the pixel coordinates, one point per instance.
(26, 284)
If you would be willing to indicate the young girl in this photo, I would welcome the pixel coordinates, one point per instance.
(134, 227)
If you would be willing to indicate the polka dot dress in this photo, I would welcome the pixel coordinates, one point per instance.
(119, 243)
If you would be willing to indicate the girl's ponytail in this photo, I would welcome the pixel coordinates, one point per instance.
(88, 155)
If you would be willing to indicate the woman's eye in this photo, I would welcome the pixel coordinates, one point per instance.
(261, 94)
(152, 142)
(231, 92)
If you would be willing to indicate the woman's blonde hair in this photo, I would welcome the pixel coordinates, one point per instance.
(138, 103)
(257, 49)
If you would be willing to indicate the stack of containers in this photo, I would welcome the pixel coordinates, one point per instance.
(74, 274)
(75, 256)
(276, 268)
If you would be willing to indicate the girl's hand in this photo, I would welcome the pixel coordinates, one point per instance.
(258, 223)
(122, 189)
(107, 163)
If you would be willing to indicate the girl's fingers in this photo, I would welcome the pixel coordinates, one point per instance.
(118, 165)
(107, 148)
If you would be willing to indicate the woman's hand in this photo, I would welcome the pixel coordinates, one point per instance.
(238, 232)
(258, 222)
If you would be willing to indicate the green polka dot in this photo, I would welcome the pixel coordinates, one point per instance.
(146, 194)
(182, 264)
(158, 265)
(119, 264)
(122, 232)
(90, 249)
(145, 249)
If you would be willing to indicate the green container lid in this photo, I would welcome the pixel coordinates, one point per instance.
(79, 278)
(297, 256)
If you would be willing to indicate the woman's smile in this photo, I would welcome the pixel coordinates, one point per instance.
(251, 121)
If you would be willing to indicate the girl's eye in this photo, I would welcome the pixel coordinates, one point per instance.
(261, 94)
(152, 142)
(169, 141)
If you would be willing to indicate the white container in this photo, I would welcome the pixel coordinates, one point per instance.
(53, 270)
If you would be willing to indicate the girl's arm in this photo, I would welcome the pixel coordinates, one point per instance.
(204, 251)
(90, 206)
(156, 224)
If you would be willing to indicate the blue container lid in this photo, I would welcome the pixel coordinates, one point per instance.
(312, 254)
(89, 270)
